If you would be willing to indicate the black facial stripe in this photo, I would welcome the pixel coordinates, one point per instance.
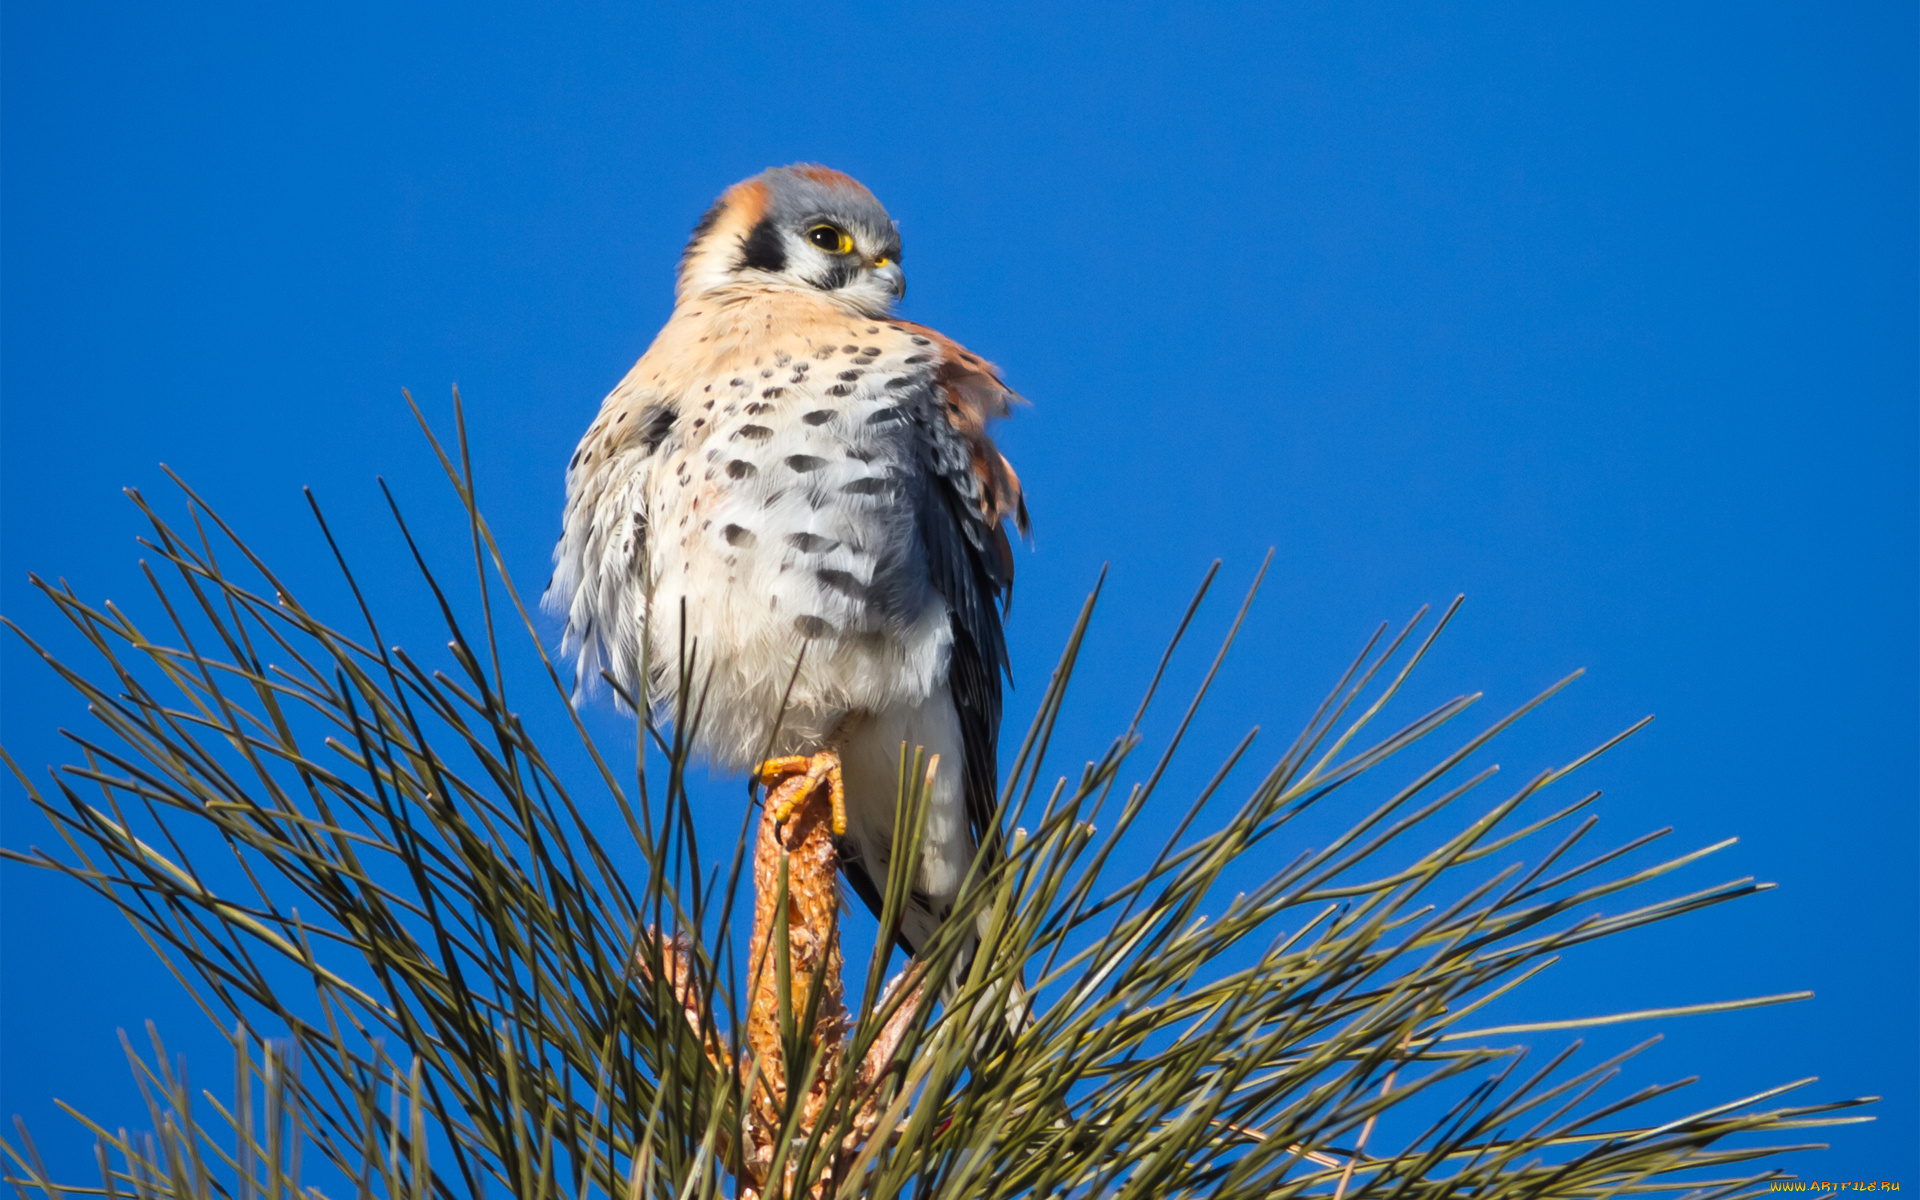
(838, 276)
(706, 221)
(762, 249)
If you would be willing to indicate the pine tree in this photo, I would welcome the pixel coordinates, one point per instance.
(437, 982)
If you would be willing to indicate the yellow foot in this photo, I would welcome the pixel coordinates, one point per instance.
(798, 776)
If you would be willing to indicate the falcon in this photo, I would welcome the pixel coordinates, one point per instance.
(799, 488)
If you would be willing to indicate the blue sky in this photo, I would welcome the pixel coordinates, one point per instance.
(1602, 314)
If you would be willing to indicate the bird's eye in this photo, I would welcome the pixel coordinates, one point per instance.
(830, 239)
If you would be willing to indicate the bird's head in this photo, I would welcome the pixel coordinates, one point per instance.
(803, 228)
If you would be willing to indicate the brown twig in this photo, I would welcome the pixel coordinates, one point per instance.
(795, 965)
(795, 861)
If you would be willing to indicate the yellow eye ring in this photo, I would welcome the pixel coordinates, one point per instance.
(831, 238)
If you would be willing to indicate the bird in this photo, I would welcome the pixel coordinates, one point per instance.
(800, 487)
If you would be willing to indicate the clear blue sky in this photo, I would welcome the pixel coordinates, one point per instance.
(1603, 314)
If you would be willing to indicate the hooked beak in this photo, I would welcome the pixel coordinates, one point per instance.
(895, 279)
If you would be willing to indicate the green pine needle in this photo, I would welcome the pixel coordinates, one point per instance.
(320, 834)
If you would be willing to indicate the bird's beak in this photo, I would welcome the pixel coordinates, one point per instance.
(893, 277)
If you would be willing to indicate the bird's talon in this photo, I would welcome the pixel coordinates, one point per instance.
(775, 769)
(837, 795)
(783, 801)
(798, 776)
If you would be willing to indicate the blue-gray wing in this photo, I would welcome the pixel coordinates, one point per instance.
(969, 496)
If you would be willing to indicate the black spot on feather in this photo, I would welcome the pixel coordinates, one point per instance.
(842, 582)
(656, 421)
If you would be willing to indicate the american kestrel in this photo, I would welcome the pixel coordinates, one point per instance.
(806, 480)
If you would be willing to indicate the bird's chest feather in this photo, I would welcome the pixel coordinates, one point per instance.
(787, 516)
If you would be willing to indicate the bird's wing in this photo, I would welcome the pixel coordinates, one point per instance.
(972, 494)
(599, 582)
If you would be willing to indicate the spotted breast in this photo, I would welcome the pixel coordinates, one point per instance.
(788, 507)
